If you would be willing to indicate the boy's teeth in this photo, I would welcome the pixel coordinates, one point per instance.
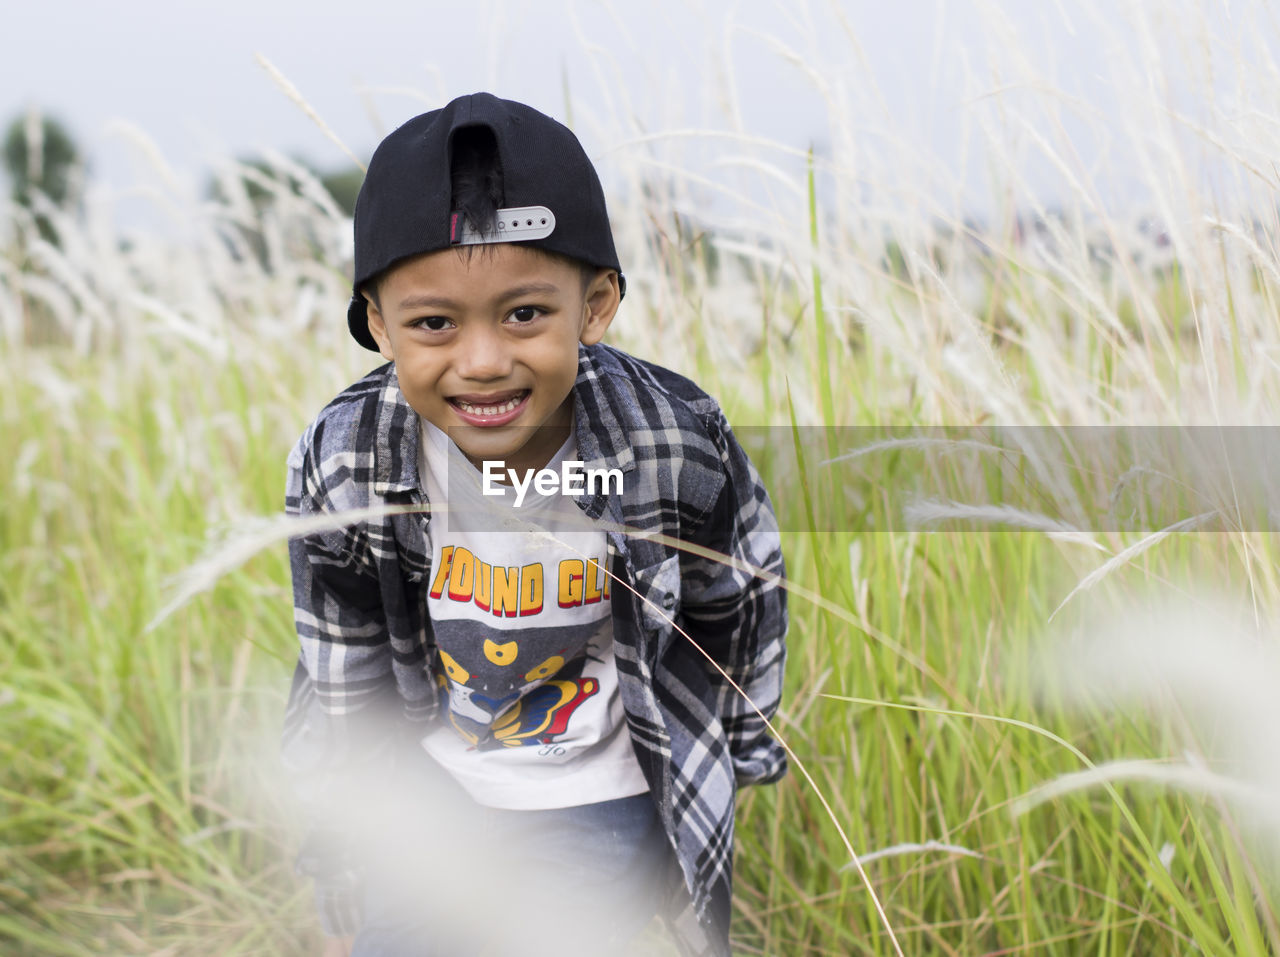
(489, 409)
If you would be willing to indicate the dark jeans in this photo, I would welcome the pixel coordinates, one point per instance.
(473, 880)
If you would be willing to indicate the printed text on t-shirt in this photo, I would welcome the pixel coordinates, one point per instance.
(508, 591)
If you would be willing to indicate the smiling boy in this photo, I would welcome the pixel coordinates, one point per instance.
(507, 700)
(486, 346)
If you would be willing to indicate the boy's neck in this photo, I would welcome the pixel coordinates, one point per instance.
(533, 456)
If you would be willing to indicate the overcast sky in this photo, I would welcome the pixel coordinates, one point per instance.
(186, 73)
(904, 73)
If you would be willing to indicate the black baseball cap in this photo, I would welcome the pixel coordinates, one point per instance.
(552, 198)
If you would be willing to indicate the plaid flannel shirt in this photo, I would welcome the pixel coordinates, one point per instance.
(366, 639)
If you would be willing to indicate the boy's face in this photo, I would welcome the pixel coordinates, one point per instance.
(485, 344)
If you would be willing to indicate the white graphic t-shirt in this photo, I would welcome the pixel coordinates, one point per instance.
(519, 604)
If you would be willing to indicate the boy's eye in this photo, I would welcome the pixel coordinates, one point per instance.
(432, 323)
(526, 313)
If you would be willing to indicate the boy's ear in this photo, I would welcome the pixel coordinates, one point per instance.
(602, 299)
(378, 329)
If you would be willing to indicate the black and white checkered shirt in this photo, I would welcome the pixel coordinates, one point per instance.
(366, 639)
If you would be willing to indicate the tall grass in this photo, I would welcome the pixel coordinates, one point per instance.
(153, 388)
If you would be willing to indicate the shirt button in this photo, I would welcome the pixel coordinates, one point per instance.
(668, 600)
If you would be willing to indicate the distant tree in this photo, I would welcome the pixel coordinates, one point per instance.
(40, 156)
(344, 186)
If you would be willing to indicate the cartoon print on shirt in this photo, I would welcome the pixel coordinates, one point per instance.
(500, 654)
(543, 715)
(521, 691)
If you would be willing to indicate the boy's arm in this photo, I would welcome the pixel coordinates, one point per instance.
(738, 618)
(336, 721)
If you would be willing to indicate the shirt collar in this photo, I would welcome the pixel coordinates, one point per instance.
(396, 442)
(602, 420)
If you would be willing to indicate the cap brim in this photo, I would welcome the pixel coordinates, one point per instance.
(358, 322)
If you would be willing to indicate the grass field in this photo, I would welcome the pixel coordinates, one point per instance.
(937, 680)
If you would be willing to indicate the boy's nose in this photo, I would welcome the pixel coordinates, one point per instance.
(483, 355)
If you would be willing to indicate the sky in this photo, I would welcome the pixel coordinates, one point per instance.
(865, 82)
(186, 73)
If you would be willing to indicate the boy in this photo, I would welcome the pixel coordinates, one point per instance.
(494, 711)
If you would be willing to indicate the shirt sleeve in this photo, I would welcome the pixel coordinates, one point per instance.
(335, 730)
(739, 618)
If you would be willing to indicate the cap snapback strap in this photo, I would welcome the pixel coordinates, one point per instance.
(515, 224)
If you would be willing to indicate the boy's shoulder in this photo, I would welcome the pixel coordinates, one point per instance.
(346, 445)
(349, 416)
(654, 393)
(661, 426)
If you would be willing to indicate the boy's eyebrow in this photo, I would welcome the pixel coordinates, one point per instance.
(530, 289)
(425, 301)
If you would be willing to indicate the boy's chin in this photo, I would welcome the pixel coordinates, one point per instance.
(511, 444)
(478, 452)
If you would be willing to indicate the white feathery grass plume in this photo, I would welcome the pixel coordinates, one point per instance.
(1257, 256)
(756, 253)
(1192, 778)
(62, 394)
(252, 535)
(33, 130)
(91, 312)
(919, 443)
(147, 147)
(213, 830)
(780, 177)
(293, 94)
(308, 185)
(931, 511)
(23, 479)
(1127, 554)
(10, 302)
(166, 320)
(928, 847)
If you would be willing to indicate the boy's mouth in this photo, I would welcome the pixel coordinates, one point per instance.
(497, 409)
